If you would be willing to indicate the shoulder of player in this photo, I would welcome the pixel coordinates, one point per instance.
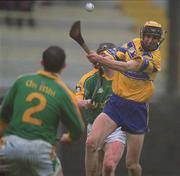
(25, 76)
(89, 76)
(136, 42)
(62, 88)
(132, 43)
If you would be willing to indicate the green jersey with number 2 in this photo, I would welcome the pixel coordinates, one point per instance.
(36, 103)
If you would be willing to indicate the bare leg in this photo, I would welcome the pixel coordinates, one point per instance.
(102, 127)
(91, 163)
(100, 162)
(113, 154)
(134, 148)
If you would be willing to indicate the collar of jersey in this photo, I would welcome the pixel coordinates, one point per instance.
(48, 74)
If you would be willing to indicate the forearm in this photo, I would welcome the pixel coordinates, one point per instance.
(132, 65)
(115, 65)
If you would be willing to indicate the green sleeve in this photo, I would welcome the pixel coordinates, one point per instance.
(71, 117)
(7, 104)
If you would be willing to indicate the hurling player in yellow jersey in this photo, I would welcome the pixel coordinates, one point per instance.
(136, 65)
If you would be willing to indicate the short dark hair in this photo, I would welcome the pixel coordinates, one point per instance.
(53, 59)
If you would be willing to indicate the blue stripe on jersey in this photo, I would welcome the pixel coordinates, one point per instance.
(130, 44)
(131, 50)
(136, 75)
(112, 52)
(146, 53)
(121, 49)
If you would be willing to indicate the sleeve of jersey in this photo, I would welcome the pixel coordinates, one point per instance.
(7, 104)
(117, 53)
(151, 64)
(72, 117)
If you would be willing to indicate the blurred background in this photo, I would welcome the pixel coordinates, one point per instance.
(28, 27)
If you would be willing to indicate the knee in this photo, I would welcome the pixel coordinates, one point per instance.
(109, 166)
(91, 144)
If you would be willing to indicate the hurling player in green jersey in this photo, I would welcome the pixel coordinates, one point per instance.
(92, 92)
(31, 110)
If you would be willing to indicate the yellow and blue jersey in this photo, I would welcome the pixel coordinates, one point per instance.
(135, 85)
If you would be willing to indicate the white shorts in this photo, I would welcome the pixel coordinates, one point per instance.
(117, 135)
(19, 156)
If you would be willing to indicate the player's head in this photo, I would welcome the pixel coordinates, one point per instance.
(53, 59)
(151, 35)
(104, 46)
